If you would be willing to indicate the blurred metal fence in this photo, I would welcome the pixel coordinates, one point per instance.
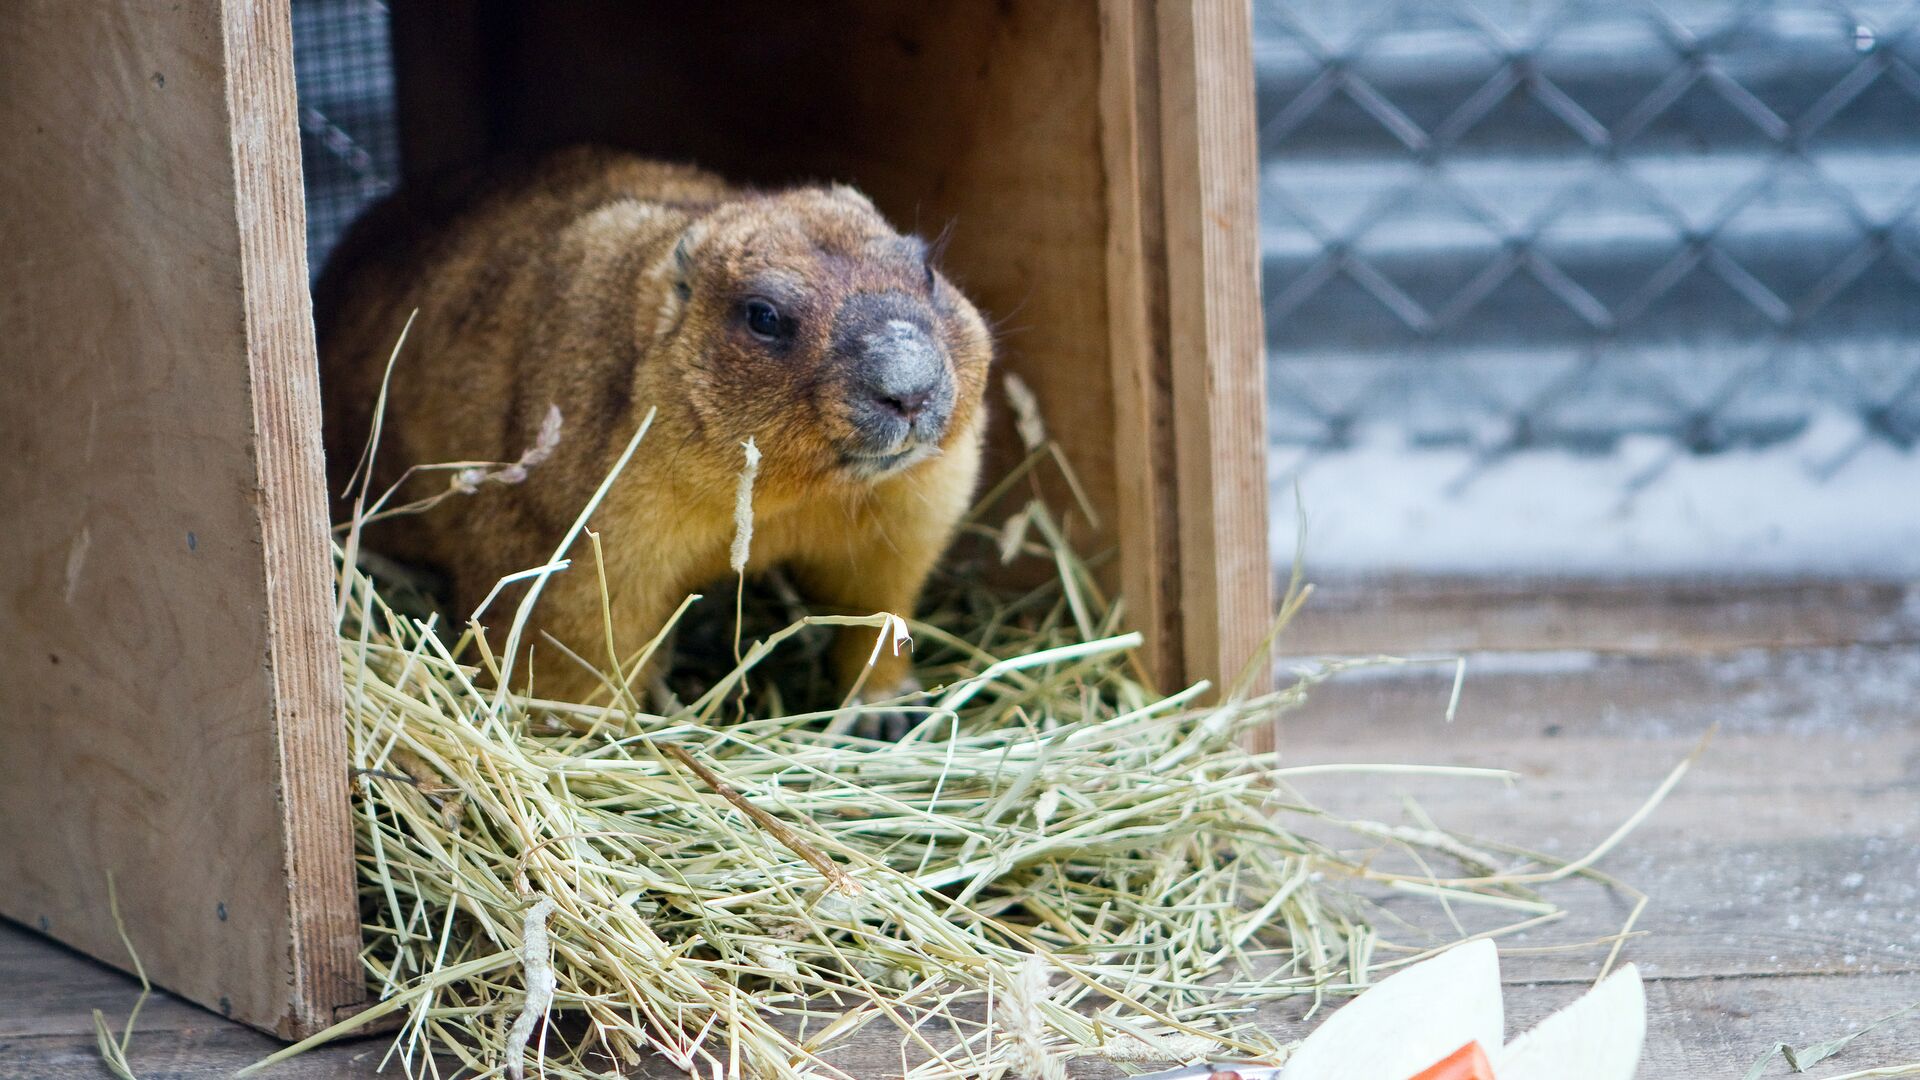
(349, 145)
(1511, 224)
(1508, 223)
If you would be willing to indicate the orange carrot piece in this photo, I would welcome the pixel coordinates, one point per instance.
(1467, 1063)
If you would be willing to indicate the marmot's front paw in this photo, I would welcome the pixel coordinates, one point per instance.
(885, 724)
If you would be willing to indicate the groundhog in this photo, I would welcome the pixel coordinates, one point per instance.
(558, 302)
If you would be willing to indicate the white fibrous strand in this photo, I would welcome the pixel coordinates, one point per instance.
(743, 509)
(536, 960)
(1026, 412)
(467, 481)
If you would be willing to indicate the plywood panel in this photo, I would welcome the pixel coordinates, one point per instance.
(1217, 359)
(172, 705)
(1145, 492)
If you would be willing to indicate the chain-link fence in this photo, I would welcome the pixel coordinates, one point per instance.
(1519, 251)
(1647, 270)
(343, 65)
(1529, 222)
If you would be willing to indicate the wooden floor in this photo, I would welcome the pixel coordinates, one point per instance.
(1784, 871)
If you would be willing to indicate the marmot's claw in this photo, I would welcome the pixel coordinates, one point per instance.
(888, 726)
(885, 725)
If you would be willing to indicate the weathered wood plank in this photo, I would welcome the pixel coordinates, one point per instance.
(1698, 1027)
(58, 989)
(173, 684)
(1146, 492)
(1789, 848)
(1425, 615)
(1208, 168)
(213, 1049)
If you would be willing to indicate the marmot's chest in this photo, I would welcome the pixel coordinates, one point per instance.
(832, 521)
(692, 546)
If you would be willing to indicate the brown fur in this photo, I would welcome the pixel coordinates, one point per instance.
(561, 285)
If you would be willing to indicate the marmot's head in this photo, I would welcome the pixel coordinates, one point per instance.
(803, 320)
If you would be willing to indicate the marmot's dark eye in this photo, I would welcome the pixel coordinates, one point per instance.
(763, 319)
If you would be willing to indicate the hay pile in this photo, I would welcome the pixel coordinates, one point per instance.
(1057, 861)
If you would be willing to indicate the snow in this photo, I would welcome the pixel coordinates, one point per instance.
(1832, 501)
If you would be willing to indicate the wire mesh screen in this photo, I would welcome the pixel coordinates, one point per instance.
(1636, 238)
(343, 68)
(1600, 286)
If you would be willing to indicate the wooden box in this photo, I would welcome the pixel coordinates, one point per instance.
(171, 715)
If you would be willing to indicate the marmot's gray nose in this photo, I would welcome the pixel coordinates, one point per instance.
(908, 405)
(899, 386)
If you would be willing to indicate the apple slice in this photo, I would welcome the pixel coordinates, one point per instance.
(1409, 1020)
(1597, 1037)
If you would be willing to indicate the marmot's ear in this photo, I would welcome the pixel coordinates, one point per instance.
(683, 265)
(676, 272)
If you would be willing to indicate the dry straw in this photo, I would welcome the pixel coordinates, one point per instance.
(1056, 861)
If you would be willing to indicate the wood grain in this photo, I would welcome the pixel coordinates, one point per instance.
(1698, 1027)
(1208, 165)
(1427, 615)
(173, 706)
(1787, 850)
(1147, 510)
